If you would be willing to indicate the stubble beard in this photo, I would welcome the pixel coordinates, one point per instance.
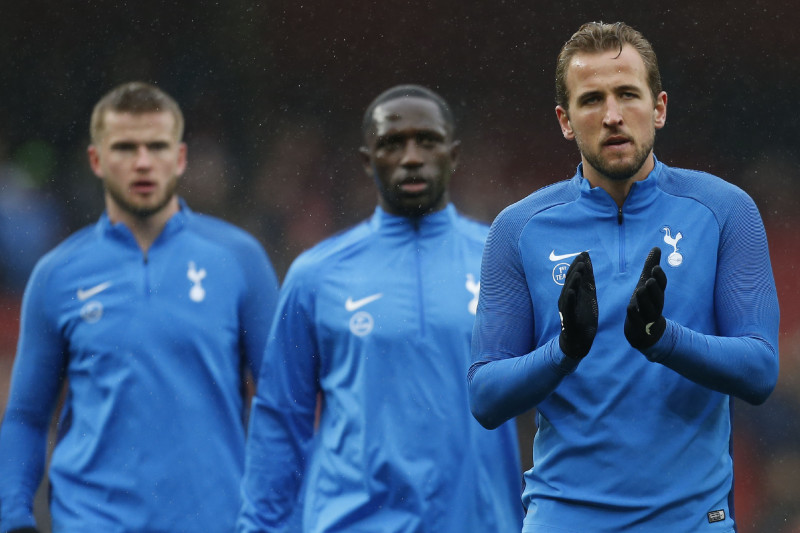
(616, 172)
(142, 210)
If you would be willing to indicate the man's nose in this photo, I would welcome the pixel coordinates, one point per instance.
(613, 112)
(143, 157)
(412, 155)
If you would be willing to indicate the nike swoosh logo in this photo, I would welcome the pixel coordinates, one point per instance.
(554, 257)
(97, 289)
(352, 305)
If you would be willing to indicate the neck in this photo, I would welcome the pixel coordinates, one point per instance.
(145, 228)
(618, 189)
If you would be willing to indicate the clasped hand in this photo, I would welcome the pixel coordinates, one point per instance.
(577, 307)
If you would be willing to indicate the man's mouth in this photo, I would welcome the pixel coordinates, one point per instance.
(616, 140)
(143, 187)
(413, 185)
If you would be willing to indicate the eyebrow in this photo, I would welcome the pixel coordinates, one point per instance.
(619, 88)
(130, 144)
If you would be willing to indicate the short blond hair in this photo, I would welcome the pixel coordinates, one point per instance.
(134, 97)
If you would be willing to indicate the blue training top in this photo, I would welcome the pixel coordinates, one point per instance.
(378, 321)
(628, 442)
(151, 436)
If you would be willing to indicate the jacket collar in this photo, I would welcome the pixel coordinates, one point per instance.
(425, 226)
(641, 195)
(121, 232)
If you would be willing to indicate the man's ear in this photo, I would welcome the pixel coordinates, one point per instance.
(183, 153)
(660, 111)
(563, 121)
(94, 161)
(366, 160)
(455, 152)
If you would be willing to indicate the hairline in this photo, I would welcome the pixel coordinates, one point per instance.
(135, 98)
(400, 92)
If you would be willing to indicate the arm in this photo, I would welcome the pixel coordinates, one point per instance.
(510, 375)
(257, 308)
(35, 384)
(742, 359)
(281, 418)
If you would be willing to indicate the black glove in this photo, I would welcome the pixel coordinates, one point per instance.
(26, 529)
(644, 324)
(577, 307)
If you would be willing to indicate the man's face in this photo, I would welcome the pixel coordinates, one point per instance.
(612, 116)
(139, 160)
(410, 156)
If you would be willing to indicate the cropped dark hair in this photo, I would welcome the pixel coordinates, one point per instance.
(408, 91)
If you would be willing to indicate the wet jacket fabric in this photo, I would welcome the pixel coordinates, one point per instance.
(628, 441)
(153, 349)
(377, 320)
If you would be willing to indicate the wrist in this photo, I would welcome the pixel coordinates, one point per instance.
(661, 349)
(559, 359)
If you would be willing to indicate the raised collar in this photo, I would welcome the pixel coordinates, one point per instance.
(641, 195)
(429, 225)
(121, 232)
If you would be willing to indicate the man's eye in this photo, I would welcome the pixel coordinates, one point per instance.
(124, 147)
(428, 142)
(390, 144)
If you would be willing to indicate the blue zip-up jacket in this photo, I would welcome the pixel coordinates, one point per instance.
(626, 441)
(378, 320)
(153, 349)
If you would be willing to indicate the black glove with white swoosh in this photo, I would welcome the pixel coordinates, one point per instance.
(645, 324)
(577, 307)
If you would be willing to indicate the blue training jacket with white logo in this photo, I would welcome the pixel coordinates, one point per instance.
(151, 436)
(378, 320)
(628, 441)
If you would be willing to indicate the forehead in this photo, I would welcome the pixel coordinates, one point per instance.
(605, 70)
(151, 124)
(408, 113)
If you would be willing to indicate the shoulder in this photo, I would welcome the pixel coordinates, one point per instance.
(83, 241)
(513, 218)
(225, 235)
(470, 228)
(328, 252)
(722, 198)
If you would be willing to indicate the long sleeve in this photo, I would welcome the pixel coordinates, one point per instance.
(742, 359)
(35, 384)
(720, 342)
(257, 308)
(281, 418)
(508, 376)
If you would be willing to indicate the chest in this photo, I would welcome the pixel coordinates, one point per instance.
(178, 297)
(687, 234)
(414, 291)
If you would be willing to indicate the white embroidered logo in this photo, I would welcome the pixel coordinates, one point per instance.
(361, 323)
(475, 288)
(352, 305)
(85, 294)
(675, 258)
(560, 273)
(197, 293)
(554, 257)
(92, 311)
